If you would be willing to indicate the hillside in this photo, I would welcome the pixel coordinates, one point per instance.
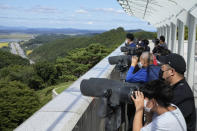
(42, 39)
(7, 59)
(59, 48)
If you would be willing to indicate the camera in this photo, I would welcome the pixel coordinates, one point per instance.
(113, 95)
(128, 50)
(132, 50)
(115, 91)
(122, 62)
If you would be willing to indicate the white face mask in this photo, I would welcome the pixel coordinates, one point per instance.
(146, 108)
(126, 41)
(139, 64)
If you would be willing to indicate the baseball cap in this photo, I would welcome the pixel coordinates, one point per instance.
(176, 61)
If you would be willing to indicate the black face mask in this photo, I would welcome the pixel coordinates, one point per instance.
(161, 75)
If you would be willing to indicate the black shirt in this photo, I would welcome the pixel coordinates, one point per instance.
(183, 98)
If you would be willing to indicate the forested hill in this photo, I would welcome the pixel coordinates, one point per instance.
(7, 59)
(59, 48)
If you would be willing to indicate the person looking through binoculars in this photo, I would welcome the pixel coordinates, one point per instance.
(156, 98)
(130, 40)
(141, 74)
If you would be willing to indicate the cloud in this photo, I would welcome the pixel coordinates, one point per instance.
(35, 19)
(109, 10)
(81, 11)
(7, 7)
(34, 9)
(90, 23)
(103, 10)
(120, 11)
(43, 9)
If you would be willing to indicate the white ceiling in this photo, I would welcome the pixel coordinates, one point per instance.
(157, 12)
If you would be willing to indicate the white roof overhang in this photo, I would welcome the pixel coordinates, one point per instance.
(160, 12)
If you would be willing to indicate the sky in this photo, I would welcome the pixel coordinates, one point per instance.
(79, 14)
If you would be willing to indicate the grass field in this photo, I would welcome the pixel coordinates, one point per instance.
(16, 36)
(3, 44)
(61, 87)
(28, 52)
(45, 94)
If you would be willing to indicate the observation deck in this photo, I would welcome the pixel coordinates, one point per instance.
(71, 111)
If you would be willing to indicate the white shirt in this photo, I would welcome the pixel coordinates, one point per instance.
(168, 121)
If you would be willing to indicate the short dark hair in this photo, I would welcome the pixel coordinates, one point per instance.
(161, 50)
(130, 36)
(162, 38)
(146, 42)
(156, 41)
(158, 90)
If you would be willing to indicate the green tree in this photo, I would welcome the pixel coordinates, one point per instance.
(47, 72)
(24, 74)
(6, 59)
(186, 33)
(145, 35)
(79, 61)
(17, 103)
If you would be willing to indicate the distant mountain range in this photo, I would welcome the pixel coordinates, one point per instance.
(7, 30)
(136, 30)
(4, 29)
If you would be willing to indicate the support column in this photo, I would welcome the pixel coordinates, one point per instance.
(181, 32)
(162, 30)
(191, 50)
(169, 37)
(158, 34)
(173, 44)
(165, 32)
(159, 31)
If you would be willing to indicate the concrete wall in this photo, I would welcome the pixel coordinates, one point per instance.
(71, 110)
(90, 120)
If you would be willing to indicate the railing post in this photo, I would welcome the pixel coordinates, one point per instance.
(191, 50)
(181, 32)
(173, 44)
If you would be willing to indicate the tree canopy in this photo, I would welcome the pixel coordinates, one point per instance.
(6, 59)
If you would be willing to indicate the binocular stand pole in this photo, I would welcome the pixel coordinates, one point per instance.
(124, 125)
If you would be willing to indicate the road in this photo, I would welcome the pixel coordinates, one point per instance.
(17, 50)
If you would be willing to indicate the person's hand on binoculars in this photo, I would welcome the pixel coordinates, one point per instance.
(138, 100)
(134, 61)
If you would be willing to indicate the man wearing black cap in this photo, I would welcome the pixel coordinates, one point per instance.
(172, 70)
